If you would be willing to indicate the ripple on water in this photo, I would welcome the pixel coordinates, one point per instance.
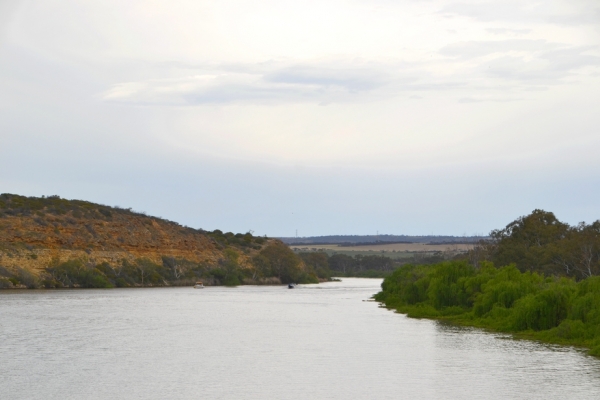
(316, 341)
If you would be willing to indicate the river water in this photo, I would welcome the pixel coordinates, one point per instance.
(251, 342)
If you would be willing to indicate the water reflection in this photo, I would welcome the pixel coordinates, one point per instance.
(316, 341)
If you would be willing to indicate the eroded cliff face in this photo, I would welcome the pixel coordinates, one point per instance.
(54, 243)
(37, 238)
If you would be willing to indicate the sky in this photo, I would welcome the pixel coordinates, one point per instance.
(320, 117)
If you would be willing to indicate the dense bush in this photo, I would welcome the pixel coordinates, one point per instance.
(278, 260)
(554, 309)
(75, 273)
(238, 240)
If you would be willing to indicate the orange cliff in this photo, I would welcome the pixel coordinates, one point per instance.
(36, 234)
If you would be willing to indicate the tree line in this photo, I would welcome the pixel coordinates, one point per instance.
(539, 242)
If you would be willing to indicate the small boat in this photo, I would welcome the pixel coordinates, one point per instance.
(291, 285)
(199, 285)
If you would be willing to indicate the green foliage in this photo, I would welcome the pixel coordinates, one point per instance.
(232, 274)
(317, 263)
(367, 273)
(505, 299)
(18, 277)
(501, 288)
(78, 273)
(244, 241)
(16, 205)
(277, 259)
(527, 240)
(539, 242)
(75, 273)
(281, 262)
(371, 266)
(447, 284)
(543, 310)
(406, 286)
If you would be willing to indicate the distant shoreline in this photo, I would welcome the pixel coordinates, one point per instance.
(358, 240)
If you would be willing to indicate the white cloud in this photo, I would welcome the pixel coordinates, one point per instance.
(295, 83)
(576, 12)
(505, 31)
(474, 49)
(431, 86)
(518, 63)
(481, 99)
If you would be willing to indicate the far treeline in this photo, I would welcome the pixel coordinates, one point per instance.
(537, 278)
(361, 266)
(349, 240)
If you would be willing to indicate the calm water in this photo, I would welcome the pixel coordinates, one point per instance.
(317, 341)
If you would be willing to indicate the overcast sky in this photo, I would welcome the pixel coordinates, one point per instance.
(328, 116)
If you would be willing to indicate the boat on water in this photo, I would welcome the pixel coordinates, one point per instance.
(199, 285)
(291, 285)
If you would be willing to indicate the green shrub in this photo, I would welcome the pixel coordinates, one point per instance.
(504, 299)
(447, 284)
(28, 279)
(505, 287)
(75, 273)
(231, 280)
(569, 329)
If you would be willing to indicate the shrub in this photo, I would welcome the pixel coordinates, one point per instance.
(544, 310)
(503, 288)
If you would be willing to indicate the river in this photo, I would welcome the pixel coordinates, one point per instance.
(323, 341)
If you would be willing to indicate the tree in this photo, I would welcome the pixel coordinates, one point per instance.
(173, 265)
(145, 268)
(318, 262)
(282, 262)
(578, 253)
(342, 262)
(528, 241)
(231, 267)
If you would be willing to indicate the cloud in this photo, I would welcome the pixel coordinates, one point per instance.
(510, 62)
(546, 68)
(474, 49)
(222, 87)
(7, 9)
(526, 61)
(468, 100)
(266, 83)
(494, 11)
(350, 79)
(576, 12)
(507, 31)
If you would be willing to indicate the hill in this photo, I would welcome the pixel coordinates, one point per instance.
(55, 242)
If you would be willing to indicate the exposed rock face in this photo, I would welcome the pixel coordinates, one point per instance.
(33, 235)
(55, 243)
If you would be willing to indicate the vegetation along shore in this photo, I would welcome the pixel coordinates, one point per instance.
(538, 278)
(50, 242)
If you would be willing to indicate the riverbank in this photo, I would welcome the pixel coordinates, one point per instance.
(527, 305)
(251, 333)
(50, 242)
